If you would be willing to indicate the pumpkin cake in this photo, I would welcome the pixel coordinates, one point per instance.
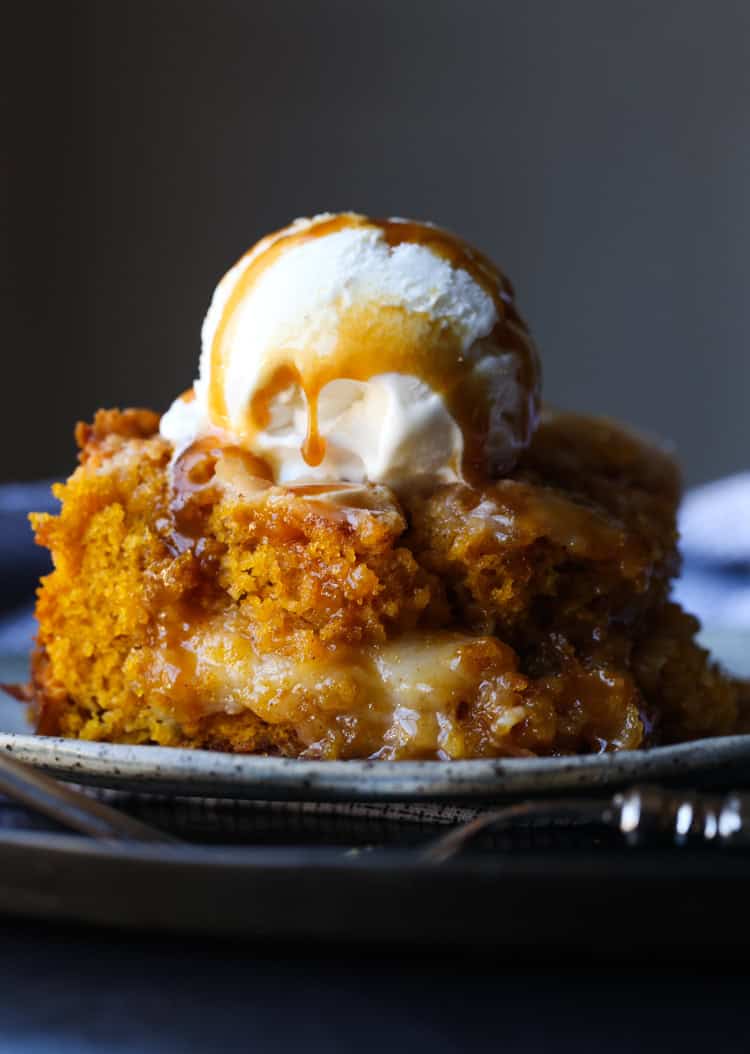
(358, 535)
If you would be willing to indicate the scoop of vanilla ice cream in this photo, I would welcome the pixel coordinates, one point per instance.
(376, 332)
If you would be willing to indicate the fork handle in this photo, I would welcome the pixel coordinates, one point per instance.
(645, 812)
(71, 808)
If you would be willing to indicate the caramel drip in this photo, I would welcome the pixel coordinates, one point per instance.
(260, 407)
(398, 342)
(259, 260)
(314, 445)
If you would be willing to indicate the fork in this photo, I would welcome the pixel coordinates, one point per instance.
(70, 807)
(641, 814)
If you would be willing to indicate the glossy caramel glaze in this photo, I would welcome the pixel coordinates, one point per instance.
(379, 339)
(192, 485)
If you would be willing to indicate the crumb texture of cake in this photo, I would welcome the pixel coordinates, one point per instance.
(193, 602)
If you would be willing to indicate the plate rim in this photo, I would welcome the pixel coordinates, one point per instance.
(193, 772)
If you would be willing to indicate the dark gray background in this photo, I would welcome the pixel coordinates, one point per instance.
(598, 150)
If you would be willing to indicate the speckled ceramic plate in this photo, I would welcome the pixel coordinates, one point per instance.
(200, 772)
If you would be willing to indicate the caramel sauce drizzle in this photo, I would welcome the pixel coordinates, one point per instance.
(192, 482)
(386, 339)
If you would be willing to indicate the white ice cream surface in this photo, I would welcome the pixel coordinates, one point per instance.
(390, 429)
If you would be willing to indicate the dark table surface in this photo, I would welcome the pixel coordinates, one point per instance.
(73, 990)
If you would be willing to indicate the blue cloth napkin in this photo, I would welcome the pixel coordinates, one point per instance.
(21, 561)
(714, 522)
(715, 530)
